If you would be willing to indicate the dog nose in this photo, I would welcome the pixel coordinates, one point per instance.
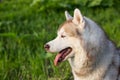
(46, 46)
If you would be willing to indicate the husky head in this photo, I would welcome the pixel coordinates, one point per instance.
(69, 40)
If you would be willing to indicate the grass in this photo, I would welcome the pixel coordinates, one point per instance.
(25, 26)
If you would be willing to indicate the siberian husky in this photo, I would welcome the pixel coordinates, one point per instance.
(83, 43)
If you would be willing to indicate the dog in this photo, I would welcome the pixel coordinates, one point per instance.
(92, 56)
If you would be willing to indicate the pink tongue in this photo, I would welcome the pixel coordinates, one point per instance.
(56, 59)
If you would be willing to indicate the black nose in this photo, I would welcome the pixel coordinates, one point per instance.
(46, 46)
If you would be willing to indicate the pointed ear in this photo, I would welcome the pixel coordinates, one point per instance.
(78, 18)
(68, 16)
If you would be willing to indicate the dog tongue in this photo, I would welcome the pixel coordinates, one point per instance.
(57, 58)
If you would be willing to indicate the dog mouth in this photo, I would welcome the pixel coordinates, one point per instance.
(61, 55)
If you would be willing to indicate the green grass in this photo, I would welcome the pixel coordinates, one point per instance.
(25, 26)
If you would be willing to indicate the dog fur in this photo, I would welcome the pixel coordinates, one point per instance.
(93, 55)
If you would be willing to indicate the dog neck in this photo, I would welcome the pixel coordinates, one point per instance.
(81, 65)
(86, 67)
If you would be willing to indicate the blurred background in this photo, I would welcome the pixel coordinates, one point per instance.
(26, 25)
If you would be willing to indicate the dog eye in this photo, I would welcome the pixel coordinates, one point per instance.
(63, 36)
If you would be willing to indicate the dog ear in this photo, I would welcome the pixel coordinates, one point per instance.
(78, 18)
(68, 16)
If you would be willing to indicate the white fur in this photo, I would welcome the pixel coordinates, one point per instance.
(93, 54)
(68, 16)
